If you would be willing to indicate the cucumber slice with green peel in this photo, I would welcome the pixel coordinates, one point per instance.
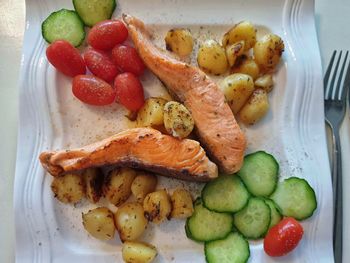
(253, 221)
(295, 197)
(94, 11)
(63, 25)
(227, 193)
(233, 248)
(206, 225)
(259, 173)
(275, 214)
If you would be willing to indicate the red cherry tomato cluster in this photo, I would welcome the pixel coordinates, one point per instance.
(115, 67)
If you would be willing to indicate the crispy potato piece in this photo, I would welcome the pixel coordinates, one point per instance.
(138, 252)
(143, 184)
(178, 120)
(68, 188)
(268, 52)
(157, 206)
(264, 82)
(182, 204)
(255, 108)
(247, 66)
(211, 57)
(179, 41)
(237, 88)
(245, 31)
(93, 178)
(117, 185)
(152, 113)
(99, 223)
(233, 51)
(130, 221)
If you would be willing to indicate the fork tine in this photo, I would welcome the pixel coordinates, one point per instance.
(342, 77)
(332, 87)
(328, 72)
(346, 81)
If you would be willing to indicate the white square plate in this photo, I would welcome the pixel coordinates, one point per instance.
(51, 118)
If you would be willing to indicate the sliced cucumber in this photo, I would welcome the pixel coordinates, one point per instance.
(233, 249)
(63, 25)
(227, 193)
(296, 198)
(260, 173)
(206, 225)
(275, 214)
(94, 11)
(253, 221)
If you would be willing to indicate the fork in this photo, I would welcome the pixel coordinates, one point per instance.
(336, 85)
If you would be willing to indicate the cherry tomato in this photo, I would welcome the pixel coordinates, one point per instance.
(65, 58)
(127, 59)
(283, 237)
(100, 65)
(93, 90)
(106, 34)
(129, 91)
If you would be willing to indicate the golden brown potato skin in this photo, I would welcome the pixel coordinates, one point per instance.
(138, 252)
(99, 223)
(264, 82)
(157, 206)
(243, 31)
(211, 57)
(117, 185)
(93, 179)
(152, 113)
(179, 41)
(143, 184)
(234, 51)
(247, 66)
(255, 108)
(130, 221)
(182, 204)
(68, 188)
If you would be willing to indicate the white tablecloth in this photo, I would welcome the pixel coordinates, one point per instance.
(332, 20)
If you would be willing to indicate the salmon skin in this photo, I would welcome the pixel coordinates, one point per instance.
(141, 148)
(215, 124)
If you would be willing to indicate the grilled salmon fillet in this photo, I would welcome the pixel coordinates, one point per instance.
(142, 148)
(215, 124)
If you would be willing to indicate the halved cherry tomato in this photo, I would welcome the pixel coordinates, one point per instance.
(283, 237)
(129, 91)
(93, 90)
(127, 59)
(106, 34)
(65, 58)
(100, 64)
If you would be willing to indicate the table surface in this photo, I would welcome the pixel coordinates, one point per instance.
(332, 20)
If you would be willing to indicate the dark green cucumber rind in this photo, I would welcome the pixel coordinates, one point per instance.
(225, 194)
(211, 235)
(46, 27)
(252, 185)
(86, 19)
(237, 220)
(299, 215)
(276, 216)
(210, 257)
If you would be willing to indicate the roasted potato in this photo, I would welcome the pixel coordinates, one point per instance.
(130, 221)
(99, 223)
(151, 113)
(138, 252)
(247, 66)
(117, 185)
(255, 108)
(211, 57)
(179, 41)
(93, 178)
(264, 82)
(68, 188)
(268, 51)
(182, 204)
(233, 51)
(157, 206)
(237, 88)
(143, 184)
(242, 31)
(178, 120)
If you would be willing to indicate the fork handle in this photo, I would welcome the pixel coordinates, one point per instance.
(337, 197)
